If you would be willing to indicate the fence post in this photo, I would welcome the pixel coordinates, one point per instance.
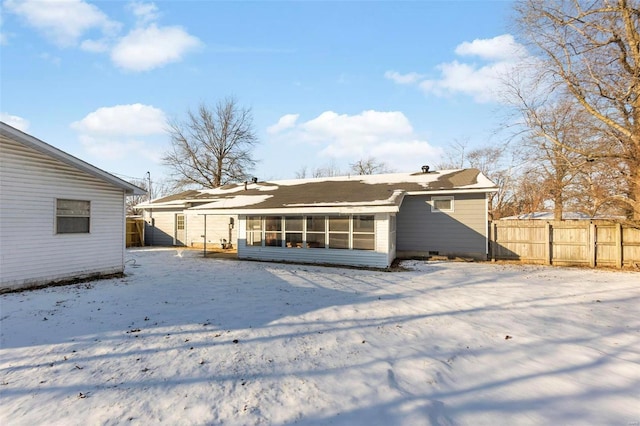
(593, 250)
(619, 245)
(548, 251)
(492, 240)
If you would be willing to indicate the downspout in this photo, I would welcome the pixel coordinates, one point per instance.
(486, 227)
(153, 228)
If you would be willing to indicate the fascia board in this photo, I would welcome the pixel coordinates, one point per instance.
(301, 211)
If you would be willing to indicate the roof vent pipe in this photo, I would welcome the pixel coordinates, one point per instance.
(245, 185)
(425, 169)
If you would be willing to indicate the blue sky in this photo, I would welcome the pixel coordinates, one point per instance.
(327, 82)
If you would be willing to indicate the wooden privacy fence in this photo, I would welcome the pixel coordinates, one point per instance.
(572, 242)
(135, 232)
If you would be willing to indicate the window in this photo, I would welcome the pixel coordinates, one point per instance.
(355, 232)
(273, 231)
(363, 233)
(73, 216)
(442, 204)
(254, 231)
(315, 232)
(293, 231)
(339, 232)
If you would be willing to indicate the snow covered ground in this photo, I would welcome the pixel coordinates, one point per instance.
(187, 340)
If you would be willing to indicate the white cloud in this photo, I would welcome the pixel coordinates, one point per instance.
(386, 136)
(286, 122)
(502, 47)
(409, 78)
(483, 81)
(15, 121)
(95, 46)
(110, 149)
(124, 120)
(4, 38)
(67, 23)
(145, 13)
(115, 132)
(64, 22)
(55, 60)
(144, 49)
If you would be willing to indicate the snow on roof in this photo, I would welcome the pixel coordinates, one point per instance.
(235, 201)
(339, 191)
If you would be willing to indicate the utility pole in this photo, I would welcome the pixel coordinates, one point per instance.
(149, 185)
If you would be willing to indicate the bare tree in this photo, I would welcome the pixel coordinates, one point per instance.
(369, 166)
(495, 162)
(213, 146)
(559, 130)
(301, 173)
(456, 156)
(591, 50)
(160, 188)
(330, 170)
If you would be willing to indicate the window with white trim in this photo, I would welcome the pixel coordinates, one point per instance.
(355, 232)
(315, 235)
(293, 231)
(339, 232)
(254, 231)
(442, 204)
(363, 232)
(273, 231)
(73, 216)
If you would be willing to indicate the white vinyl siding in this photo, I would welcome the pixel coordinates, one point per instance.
(221, 229)
(159, 228)
(31, 250)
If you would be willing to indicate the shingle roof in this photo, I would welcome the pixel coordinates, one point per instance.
(342, 191)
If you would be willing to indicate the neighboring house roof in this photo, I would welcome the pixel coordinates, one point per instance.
(360, 192)
(51, 151)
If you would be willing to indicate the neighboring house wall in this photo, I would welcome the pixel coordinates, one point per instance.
(217, 229)
(31, 253)
(163, 233)
(392, 241)
(378, 258)
(160, 227)
(462, 232)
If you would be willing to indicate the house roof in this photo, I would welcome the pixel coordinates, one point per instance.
(51, 151)
(334, 194)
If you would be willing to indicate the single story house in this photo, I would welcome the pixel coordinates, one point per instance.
(60, 218)
(364, 220)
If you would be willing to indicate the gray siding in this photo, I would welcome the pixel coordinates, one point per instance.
(462, 232)
(31, 252)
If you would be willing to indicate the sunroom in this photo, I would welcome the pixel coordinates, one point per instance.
(346, 239)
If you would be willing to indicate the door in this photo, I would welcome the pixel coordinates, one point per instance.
(179, 237)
